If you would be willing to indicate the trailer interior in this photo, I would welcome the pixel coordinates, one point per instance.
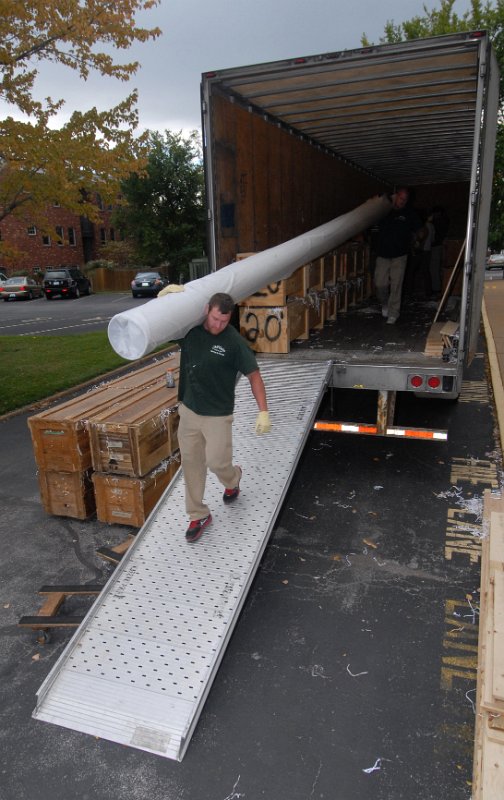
(292, 144)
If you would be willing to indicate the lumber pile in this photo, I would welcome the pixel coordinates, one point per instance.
(111, 451)
(313, 295)
(488, 770)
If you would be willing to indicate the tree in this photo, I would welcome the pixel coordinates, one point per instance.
(94, 150)
(443, 20)
(163, 208)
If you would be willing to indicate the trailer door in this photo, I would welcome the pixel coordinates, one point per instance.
(481, 190)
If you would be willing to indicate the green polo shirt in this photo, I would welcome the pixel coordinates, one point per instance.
(209, 366)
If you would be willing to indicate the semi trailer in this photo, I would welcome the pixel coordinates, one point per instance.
(291, 144)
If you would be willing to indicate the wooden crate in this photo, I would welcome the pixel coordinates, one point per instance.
(332, 303)
(269, 330)
(277, 293)
(316, 314)
(60, 434)
(315, 274)
(137, 434)
(129, 501)
(330, 268)
(67, 494)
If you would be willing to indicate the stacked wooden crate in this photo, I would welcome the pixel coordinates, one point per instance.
(134, 450)
(313, 295)
(488, 774)
(62, 445)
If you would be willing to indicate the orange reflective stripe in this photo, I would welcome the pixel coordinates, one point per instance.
(406, 433)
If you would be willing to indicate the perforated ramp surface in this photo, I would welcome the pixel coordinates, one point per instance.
(140, 667)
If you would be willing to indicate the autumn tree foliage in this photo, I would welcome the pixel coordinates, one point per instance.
(163, 211)
(94, 150)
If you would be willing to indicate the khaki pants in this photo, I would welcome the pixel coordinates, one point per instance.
(388, 277)
(205, 443)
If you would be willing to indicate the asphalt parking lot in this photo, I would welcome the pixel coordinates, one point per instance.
(62, 317)
(343, 677)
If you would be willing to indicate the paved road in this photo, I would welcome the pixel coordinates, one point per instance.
(63, 317)
(351, 672)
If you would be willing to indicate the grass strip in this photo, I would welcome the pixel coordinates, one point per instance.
(33, 368)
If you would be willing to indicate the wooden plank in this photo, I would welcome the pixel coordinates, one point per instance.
(497, 540)
(114, 554)
(244, 155)
(434, 343)
(41, 623)
(492, 783)
(498, 636)
(71, 589)
(226, 221)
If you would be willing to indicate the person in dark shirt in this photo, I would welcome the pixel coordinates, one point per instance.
(212, 356)
(395, 236)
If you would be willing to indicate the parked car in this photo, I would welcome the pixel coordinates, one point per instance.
(3, 278)
(148, 284)
(495, 261)
(65, 282)
(20, 288)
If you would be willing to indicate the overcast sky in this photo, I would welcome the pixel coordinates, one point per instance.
(203, 35)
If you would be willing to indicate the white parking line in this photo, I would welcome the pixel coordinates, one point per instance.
(62, 328)
(25, 322)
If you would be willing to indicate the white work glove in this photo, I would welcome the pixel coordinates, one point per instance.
(172, 287)
(263, 422)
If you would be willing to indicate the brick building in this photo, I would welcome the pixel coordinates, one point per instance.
(75, 241)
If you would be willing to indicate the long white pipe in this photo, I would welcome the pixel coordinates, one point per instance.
(140, 330)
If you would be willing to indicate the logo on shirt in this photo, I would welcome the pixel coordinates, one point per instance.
(218, 350)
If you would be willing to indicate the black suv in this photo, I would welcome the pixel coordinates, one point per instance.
(65, 282)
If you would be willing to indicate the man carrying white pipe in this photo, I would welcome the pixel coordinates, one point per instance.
(212, 356)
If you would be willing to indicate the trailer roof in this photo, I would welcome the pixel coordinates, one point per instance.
(406, 113)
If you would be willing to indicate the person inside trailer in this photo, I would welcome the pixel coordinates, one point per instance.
(396, 233)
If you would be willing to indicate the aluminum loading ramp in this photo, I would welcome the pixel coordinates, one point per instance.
(140, 666)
